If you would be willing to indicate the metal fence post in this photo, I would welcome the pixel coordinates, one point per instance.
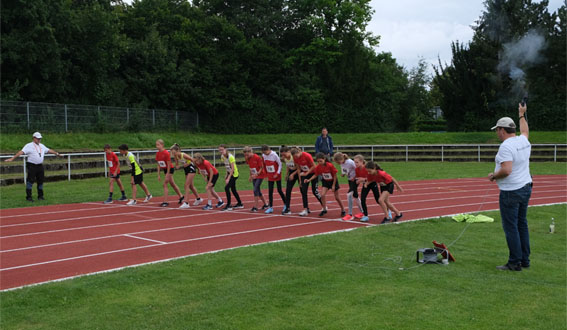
(555, 153)
(25, 170)
(28, 112)
(372, 153)
(105, 166)
(66, 125)
(69, 167)
(442, 153)
(407, 151)
(214, 158)
(479, 153)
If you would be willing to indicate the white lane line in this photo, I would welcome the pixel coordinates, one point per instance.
(153, 209)
(76, 218)
(486, 199)
(260, 216)
(177, 258)
(426, 184)
(61, 211)
(154, 245)
(145, 239)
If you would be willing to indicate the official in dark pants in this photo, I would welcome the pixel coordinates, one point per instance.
(324, 144)
(512, 173)
(35, 152)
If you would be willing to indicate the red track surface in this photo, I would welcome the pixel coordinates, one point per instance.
(47, 243)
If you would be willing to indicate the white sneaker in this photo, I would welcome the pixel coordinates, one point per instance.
(198, 202)
(131, 202)
(147, 199)
(303, 213)
(184, 206)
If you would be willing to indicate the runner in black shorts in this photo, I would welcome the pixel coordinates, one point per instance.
(207, 169)
(386, 182)
(186, 161)
(328, 173)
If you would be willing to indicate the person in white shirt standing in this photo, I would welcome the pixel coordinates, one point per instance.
(35, 151)
(512, 174)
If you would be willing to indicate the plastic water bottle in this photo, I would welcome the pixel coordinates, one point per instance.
(552, 226)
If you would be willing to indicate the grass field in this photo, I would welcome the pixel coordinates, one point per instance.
(10, 143)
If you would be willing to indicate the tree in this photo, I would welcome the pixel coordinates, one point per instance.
(482, 81)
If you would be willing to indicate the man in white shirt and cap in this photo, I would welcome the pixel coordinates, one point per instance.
(35, 152)
(512, 174)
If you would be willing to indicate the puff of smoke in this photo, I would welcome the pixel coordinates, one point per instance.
(519, 55)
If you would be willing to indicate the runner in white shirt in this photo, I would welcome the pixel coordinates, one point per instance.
(35, 152)
(273, 166)
(512, 173)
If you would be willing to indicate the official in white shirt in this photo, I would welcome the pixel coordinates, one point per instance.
(35, 151)
(512, 174)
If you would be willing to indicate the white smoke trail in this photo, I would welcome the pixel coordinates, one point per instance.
(519, 55)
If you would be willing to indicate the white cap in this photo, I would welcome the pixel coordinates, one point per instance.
(37, 135)
(506, 122)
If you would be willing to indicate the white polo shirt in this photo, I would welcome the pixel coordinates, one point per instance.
(35, 152)
(517, 150)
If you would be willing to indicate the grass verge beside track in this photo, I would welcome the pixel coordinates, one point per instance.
(11, 142)
(348, 280)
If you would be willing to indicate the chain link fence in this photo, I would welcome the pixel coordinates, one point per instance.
(18, 116)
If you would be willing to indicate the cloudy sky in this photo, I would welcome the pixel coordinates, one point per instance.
(411, 29)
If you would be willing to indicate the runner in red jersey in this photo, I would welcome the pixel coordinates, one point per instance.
(114, 174)
(291, 176)
(386, 182)
(211, 175)
(164, 164)
(257, 175)
(328, 173)
(305, 166)
(362, 177)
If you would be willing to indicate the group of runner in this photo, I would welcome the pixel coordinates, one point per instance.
(300, 169)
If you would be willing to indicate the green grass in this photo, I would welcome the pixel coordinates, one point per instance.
(96, 189)
(349, 280)
(11, 142)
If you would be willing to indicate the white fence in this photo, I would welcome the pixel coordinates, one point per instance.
(92, 163)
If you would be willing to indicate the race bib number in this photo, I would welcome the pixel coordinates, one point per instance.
(253, 171)
(270, 168)
(161, 163)
(290, 164)
(383, 184)
(327, 176)
(204, 172)
(345, 170)
(304, 168)
(109, 163)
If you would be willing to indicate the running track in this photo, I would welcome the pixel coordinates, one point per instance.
(47, 243)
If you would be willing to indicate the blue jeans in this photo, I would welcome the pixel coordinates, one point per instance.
(513, 211)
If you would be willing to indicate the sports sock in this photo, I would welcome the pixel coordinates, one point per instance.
(349, 203)
(359, 204)
(110, 195)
